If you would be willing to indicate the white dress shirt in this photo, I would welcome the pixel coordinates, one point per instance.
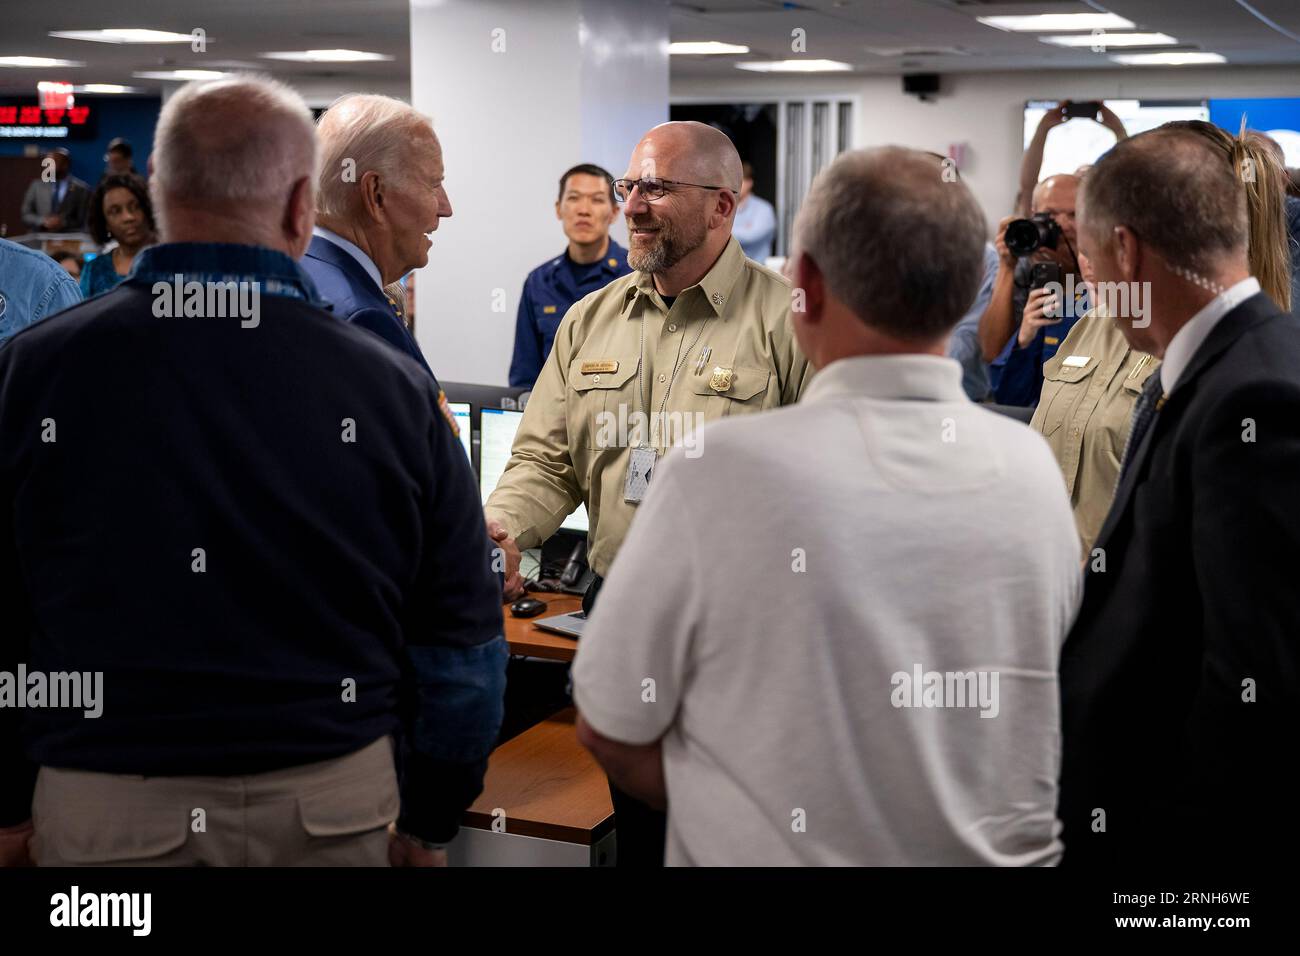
(353, 250)
(1186, 341)
(772, 590)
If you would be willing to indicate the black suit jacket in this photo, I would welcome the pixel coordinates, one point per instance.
(1196, 612)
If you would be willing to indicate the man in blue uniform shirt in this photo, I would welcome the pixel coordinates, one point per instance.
(379, 195)
(1016, 375)
(586, 208)
(1016, 334)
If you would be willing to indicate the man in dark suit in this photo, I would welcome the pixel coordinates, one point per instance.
(60, 205)
(380, 194)
(1180, 680)
(252, 528)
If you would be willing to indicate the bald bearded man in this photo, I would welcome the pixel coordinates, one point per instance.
(697, 333)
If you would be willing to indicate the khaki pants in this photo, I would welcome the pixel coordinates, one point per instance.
(332, 813)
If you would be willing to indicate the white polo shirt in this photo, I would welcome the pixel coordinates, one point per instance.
(844, 620)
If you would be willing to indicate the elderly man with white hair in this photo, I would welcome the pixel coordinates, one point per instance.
(241, 552)
(380, 195)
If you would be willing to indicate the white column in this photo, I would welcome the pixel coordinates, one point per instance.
(519, 91)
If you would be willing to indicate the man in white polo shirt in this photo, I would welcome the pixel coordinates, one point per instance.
(850, 655)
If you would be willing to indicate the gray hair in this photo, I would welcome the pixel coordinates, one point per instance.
(1178, 192)
(899, 240)
(243, 138)
(361, 133)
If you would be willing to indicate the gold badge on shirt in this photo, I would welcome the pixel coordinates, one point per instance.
(720, 380)
(605, 365)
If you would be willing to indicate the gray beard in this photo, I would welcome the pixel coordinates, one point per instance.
(652, 260)
(666, 253)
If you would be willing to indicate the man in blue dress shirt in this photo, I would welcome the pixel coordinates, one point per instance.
(964, 342)
(755, 225)
(586, 209)
(379, 196)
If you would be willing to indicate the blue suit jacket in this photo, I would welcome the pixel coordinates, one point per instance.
(345, 285)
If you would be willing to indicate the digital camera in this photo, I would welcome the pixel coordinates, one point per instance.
(1023, 236)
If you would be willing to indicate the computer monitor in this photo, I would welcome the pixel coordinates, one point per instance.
(485, 396)
(497, 428)
(461, 412)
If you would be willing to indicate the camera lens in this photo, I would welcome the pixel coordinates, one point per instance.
(1022, 237)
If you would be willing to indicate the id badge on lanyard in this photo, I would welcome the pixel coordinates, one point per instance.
(640, 466)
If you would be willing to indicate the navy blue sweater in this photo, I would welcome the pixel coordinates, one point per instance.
(323, 560)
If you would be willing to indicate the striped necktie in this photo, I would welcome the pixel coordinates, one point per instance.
(1148, 406)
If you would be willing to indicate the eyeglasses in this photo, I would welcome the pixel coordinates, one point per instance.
(653, 189)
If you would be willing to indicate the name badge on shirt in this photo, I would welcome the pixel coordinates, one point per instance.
(548, 310)
(606, 365)
(1051, 340)
(1076, 361)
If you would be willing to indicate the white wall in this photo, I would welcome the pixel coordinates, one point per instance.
(577, 81)
(985, 111)
(320, 92)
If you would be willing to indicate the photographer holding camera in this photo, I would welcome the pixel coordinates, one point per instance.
(1025, 320)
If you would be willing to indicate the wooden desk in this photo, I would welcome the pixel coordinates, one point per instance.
(524, 638)
(554, 798)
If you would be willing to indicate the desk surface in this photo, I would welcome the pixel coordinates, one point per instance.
(548, 785)
(524, 638)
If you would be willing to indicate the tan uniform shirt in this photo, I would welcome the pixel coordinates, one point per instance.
(571, 448)
(1089, 389)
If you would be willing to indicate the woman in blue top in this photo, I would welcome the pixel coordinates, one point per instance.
(121, 210)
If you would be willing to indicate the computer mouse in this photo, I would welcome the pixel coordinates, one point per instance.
(527, 607)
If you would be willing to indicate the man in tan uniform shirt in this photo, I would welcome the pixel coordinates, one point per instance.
(717, 342)
(1089, 389)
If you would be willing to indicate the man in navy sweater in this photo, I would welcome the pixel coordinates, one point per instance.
(250, 614)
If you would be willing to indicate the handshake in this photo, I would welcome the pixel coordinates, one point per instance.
(505, 557)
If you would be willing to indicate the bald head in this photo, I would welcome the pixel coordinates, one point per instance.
(231, 154)
(1054, 189)
(690, 152)
(680, 233)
